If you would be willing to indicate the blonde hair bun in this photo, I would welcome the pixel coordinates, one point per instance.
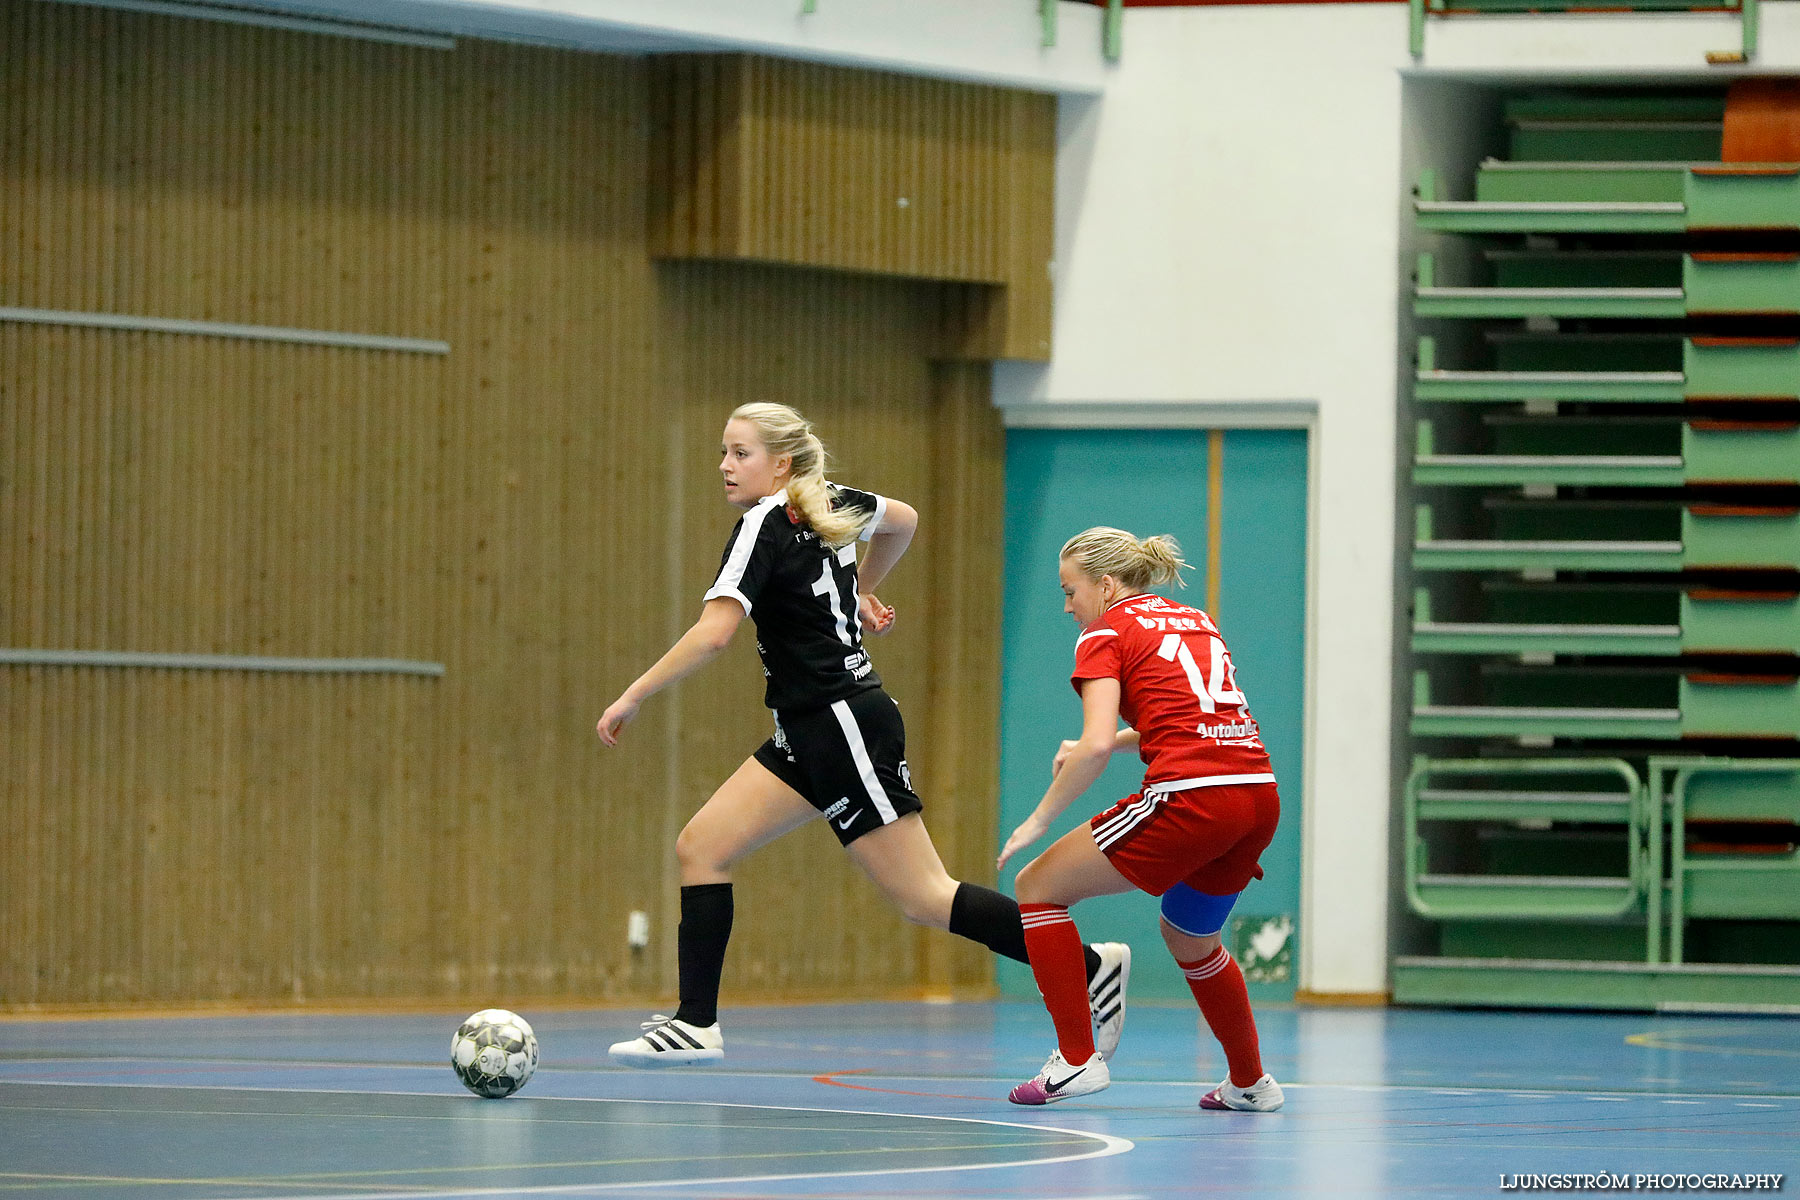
(1139, 564)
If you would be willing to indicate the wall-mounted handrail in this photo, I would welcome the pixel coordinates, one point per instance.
(1746, 10)
(217, 662)
(224, 329)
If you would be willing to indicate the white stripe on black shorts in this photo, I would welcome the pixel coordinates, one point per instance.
(848, 760)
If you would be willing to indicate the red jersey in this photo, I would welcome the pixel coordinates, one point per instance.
(1176, 688)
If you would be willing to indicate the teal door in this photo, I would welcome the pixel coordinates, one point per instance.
(1061, 481)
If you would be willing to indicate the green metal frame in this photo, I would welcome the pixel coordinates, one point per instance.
(1431, 383)
(1112, 26)
(1767, 624)
(1469, 554)
(1725, 707)
(1521, 721)
(1654, 806)
(1764, 369)
(1509, 181)
(1485, 637)
(1419, 10)
(1472, 637)
(1625, 986)
(1523, 897)
(1761, 456)
(1719, 198)
(1430, 300)
(1767, 540)
(1626, 387)
(1441, 215)
(1668, 779)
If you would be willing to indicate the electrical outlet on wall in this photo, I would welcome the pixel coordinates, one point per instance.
(637, 929)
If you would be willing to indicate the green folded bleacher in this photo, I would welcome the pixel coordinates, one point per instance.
(1634, 284)
(1674, 534)
(1681, 621)
(1604, 641)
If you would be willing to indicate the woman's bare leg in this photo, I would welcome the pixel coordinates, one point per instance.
(900, 859)
(749, 810)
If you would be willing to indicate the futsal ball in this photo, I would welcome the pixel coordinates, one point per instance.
(494, 1052)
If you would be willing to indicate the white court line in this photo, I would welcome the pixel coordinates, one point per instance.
(1109, 1145)
(1476, 1089)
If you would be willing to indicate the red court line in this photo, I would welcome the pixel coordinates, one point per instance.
(829, 1079)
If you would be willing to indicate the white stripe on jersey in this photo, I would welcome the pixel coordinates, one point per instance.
(732, 573)
(1096, 633)
(868, 531)
(865, 767)
(846, 557)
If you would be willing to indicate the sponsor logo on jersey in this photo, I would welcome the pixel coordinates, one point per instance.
(1230, 729)
(1194, 624)
(858, 664)
(842, 803)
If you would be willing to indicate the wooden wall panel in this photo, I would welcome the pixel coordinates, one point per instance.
(961, 729)
(553, 514)
(778, 161)
(538, 510)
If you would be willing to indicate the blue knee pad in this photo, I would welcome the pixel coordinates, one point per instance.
(1195, 913)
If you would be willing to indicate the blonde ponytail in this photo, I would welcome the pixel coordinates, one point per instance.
(785, 432)
(1138, 565)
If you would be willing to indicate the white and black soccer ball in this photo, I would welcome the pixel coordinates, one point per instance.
(494, 1052)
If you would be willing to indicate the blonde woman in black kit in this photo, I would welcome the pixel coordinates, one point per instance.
(839, 747)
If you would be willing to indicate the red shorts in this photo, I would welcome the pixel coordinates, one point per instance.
(1207, 837)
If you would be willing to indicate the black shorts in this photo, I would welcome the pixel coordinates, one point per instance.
(849, 761)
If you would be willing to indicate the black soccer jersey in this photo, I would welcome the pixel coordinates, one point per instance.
(802, 596)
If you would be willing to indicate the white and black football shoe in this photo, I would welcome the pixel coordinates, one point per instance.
(667, 1042)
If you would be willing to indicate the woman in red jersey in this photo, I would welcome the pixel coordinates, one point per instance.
(1207, 810)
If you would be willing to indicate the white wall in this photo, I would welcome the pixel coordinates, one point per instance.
(1231, 234)
(1228, 222)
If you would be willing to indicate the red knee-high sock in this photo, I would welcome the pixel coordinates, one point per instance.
(1058, 963)
(1218, 985)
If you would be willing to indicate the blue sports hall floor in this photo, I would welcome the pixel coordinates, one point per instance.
(889, 1100)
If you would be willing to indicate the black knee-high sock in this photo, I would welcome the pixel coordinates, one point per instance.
(984, 915)
(706, 911)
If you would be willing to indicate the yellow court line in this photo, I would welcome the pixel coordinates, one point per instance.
(1670, 1041)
